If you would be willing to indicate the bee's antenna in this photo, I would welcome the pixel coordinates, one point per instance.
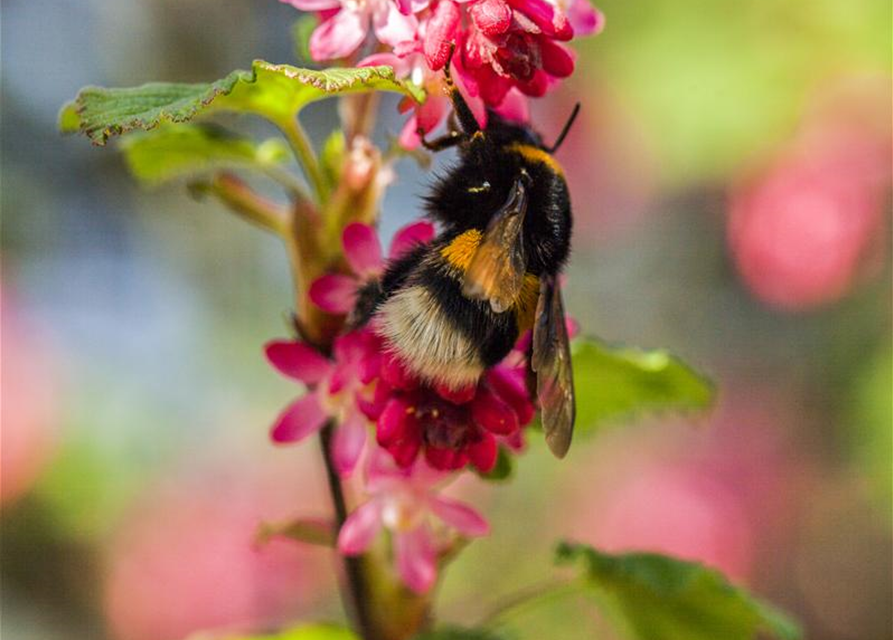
(565, 130)
(463, 111)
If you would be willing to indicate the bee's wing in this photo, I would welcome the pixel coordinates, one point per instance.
(551, 362)
(497, 269)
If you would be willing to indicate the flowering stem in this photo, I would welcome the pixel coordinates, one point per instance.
(291, 183)
(357, 601)
(300, 144)
(239, 197)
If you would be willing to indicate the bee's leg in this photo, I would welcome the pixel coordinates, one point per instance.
(453, 123)
(450, 139)
(460, 107)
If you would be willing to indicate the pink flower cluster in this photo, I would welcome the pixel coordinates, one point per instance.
(423, 435)
(809, 227)
(504, 49)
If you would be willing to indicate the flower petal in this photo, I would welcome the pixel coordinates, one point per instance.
(348, 443)
(456, 396)
(537, 85)
(557, 60)
(461, 517)
(445, 459)
(514, 106)
(300, 419)
(392, 26)
(432, 112)
(405, 451)
(395, 374)
(548, 18)
(483, 454)
(409, 135)
(360, 529)
(493, 413)
(510, 386)
(443, 27)
(415, 559)
(362, 250)
(413, 234)
(334, 293)
(395, 423)
(339, 36)
(492, 17)
(585, 19)
(297, 360)
(372, 399)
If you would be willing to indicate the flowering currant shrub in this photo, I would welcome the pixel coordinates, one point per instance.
(393, 441)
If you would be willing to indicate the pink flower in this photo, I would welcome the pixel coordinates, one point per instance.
(184, 561)
(336, 293)
(428, 115)
(506, 49)
(346, 390)
(585, 19)
(453, 428)
(345, 24)
(800, 234)
(406, 503)
(498, 56)
(31, 415)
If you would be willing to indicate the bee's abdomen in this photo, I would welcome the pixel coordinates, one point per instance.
(441, 335)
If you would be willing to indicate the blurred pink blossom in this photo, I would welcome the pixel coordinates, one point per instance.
(346, 23)
(802, 231)
(405, 501)
(186, 560)
(709, 495)
(30, 402)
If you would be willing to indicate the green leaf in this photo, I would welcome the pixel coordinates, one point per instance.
(617, 382)
(311, 632)
(184, 150)
(276, 92)
(662, 598)
(459, 633)
(101, 113)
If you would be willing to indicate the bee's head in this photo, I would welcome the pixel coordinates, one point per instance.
(494, 162)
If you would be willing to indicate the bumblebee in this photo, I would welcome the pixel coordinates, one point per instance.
(452, 308)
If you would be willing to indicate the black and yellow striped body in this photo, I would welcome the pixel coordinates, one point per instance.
(441, 334)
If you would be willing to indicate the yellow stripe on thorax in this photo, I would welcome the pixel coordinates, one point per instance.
(459, 253)
(461, 250)
(537, 155)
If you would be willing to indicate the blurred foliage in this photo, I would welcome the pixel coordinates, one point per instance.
(871, 416)
(186, 150)
(313, 632)
(663, 598)
(457, 633)
(621, 382)
(717, 83)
